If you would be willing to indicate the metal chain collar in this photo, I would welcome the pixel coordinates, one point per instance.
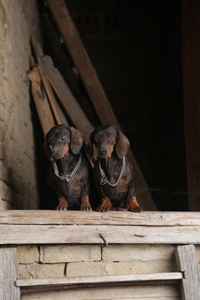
(69, 176)
(104, 179)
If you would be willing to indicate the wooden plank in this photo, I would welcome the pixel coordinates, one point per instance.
(114, 293)
(92, 234)
(54, 105)
(94, 88)
(188, 264)
(8, 274)
(33, 285)
(41, 103)
(83, 64)
(99, 279)
(51, 217)
(191, 78)
(67, 99)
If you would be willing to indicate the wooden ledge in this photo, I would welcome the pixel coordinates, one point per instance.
(51, 217)
(74, 227)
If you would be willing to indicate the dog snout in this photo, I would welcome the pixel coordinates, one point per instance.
(103, 152)
(55, 155)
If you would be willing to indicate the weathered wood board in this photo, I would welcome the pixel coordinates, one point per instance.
(95, 234)
(188, 264)
(8, 274)
(53, 217)
(125, 293)
(96, 280)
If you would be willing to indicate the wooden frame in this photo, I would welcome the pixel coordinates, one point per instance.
(46, 227)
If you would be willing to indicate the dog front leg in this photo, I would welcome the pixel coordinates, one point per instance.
(133, 205)
(85, 204)
(105, 206)
(63, 205)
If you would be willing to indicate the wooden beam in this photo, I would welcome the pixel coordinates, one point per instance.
(97, 234)
(94, 88)
(53, 217)
(8, 274)
(60, 118)
(37, 285)
(67, 99)
(41, 103)
(188, 264)
(81, 59)
(191, 78)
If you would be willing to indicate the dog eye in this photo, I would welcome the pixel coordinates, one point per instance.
(96, 138)
(111, 136)
(63, 138)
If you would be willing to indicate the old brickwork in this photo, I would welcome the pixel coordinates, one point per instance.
(97, 260)
(94, 260)
(18, 188)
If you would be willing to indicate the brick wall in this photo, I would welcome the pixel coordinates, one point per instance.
(18, 187)
(97, 260)
(93, 260)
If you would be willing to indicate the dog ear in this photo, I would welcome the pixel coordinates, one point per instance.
(47, 150)
(122, 145)
(76, 142)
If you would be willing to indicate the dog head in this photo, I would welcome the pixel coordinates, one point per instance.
(61, 140)
(106, 139)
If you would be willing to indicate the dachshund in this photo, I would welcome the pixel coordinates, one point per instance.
(69, 170)
(113, 173)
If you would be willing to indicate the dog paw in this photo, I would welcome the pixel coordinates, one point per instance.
(136, 209)
(86, 208)
(102, 208)
(61, 207)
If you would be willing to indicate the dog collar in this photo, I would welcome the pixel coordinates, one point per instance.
(69, 176)
(104, 179)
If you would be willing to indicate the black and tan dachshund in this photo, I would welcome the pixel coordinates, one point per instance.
(113, 173)
(68, 170)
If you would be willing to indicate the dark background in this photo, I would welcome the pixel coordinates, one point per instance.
(135, 47)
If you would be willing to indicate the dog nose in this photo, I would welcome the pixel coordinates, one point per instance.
(103, 152)
(55, 156)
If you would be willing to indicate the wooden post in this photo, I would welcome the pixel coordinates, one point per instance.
(191, 79)
(93, 86)
(8, 274)
(188, 264)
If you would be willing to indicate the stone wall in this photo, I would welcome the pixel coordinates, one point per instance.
(18, 185)
(97, 260)
(94, 260)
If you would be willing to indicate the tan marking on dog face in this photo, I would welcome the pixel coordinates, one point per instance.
(110, 150)
(64, 151)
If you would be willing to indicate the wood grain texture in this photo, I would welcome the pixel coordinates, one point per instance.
(114, 293)
(95, 234)
(188, 264)
(41, 103)
(59, 116)
(99, 279)
(8, 274)
(53, 217)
